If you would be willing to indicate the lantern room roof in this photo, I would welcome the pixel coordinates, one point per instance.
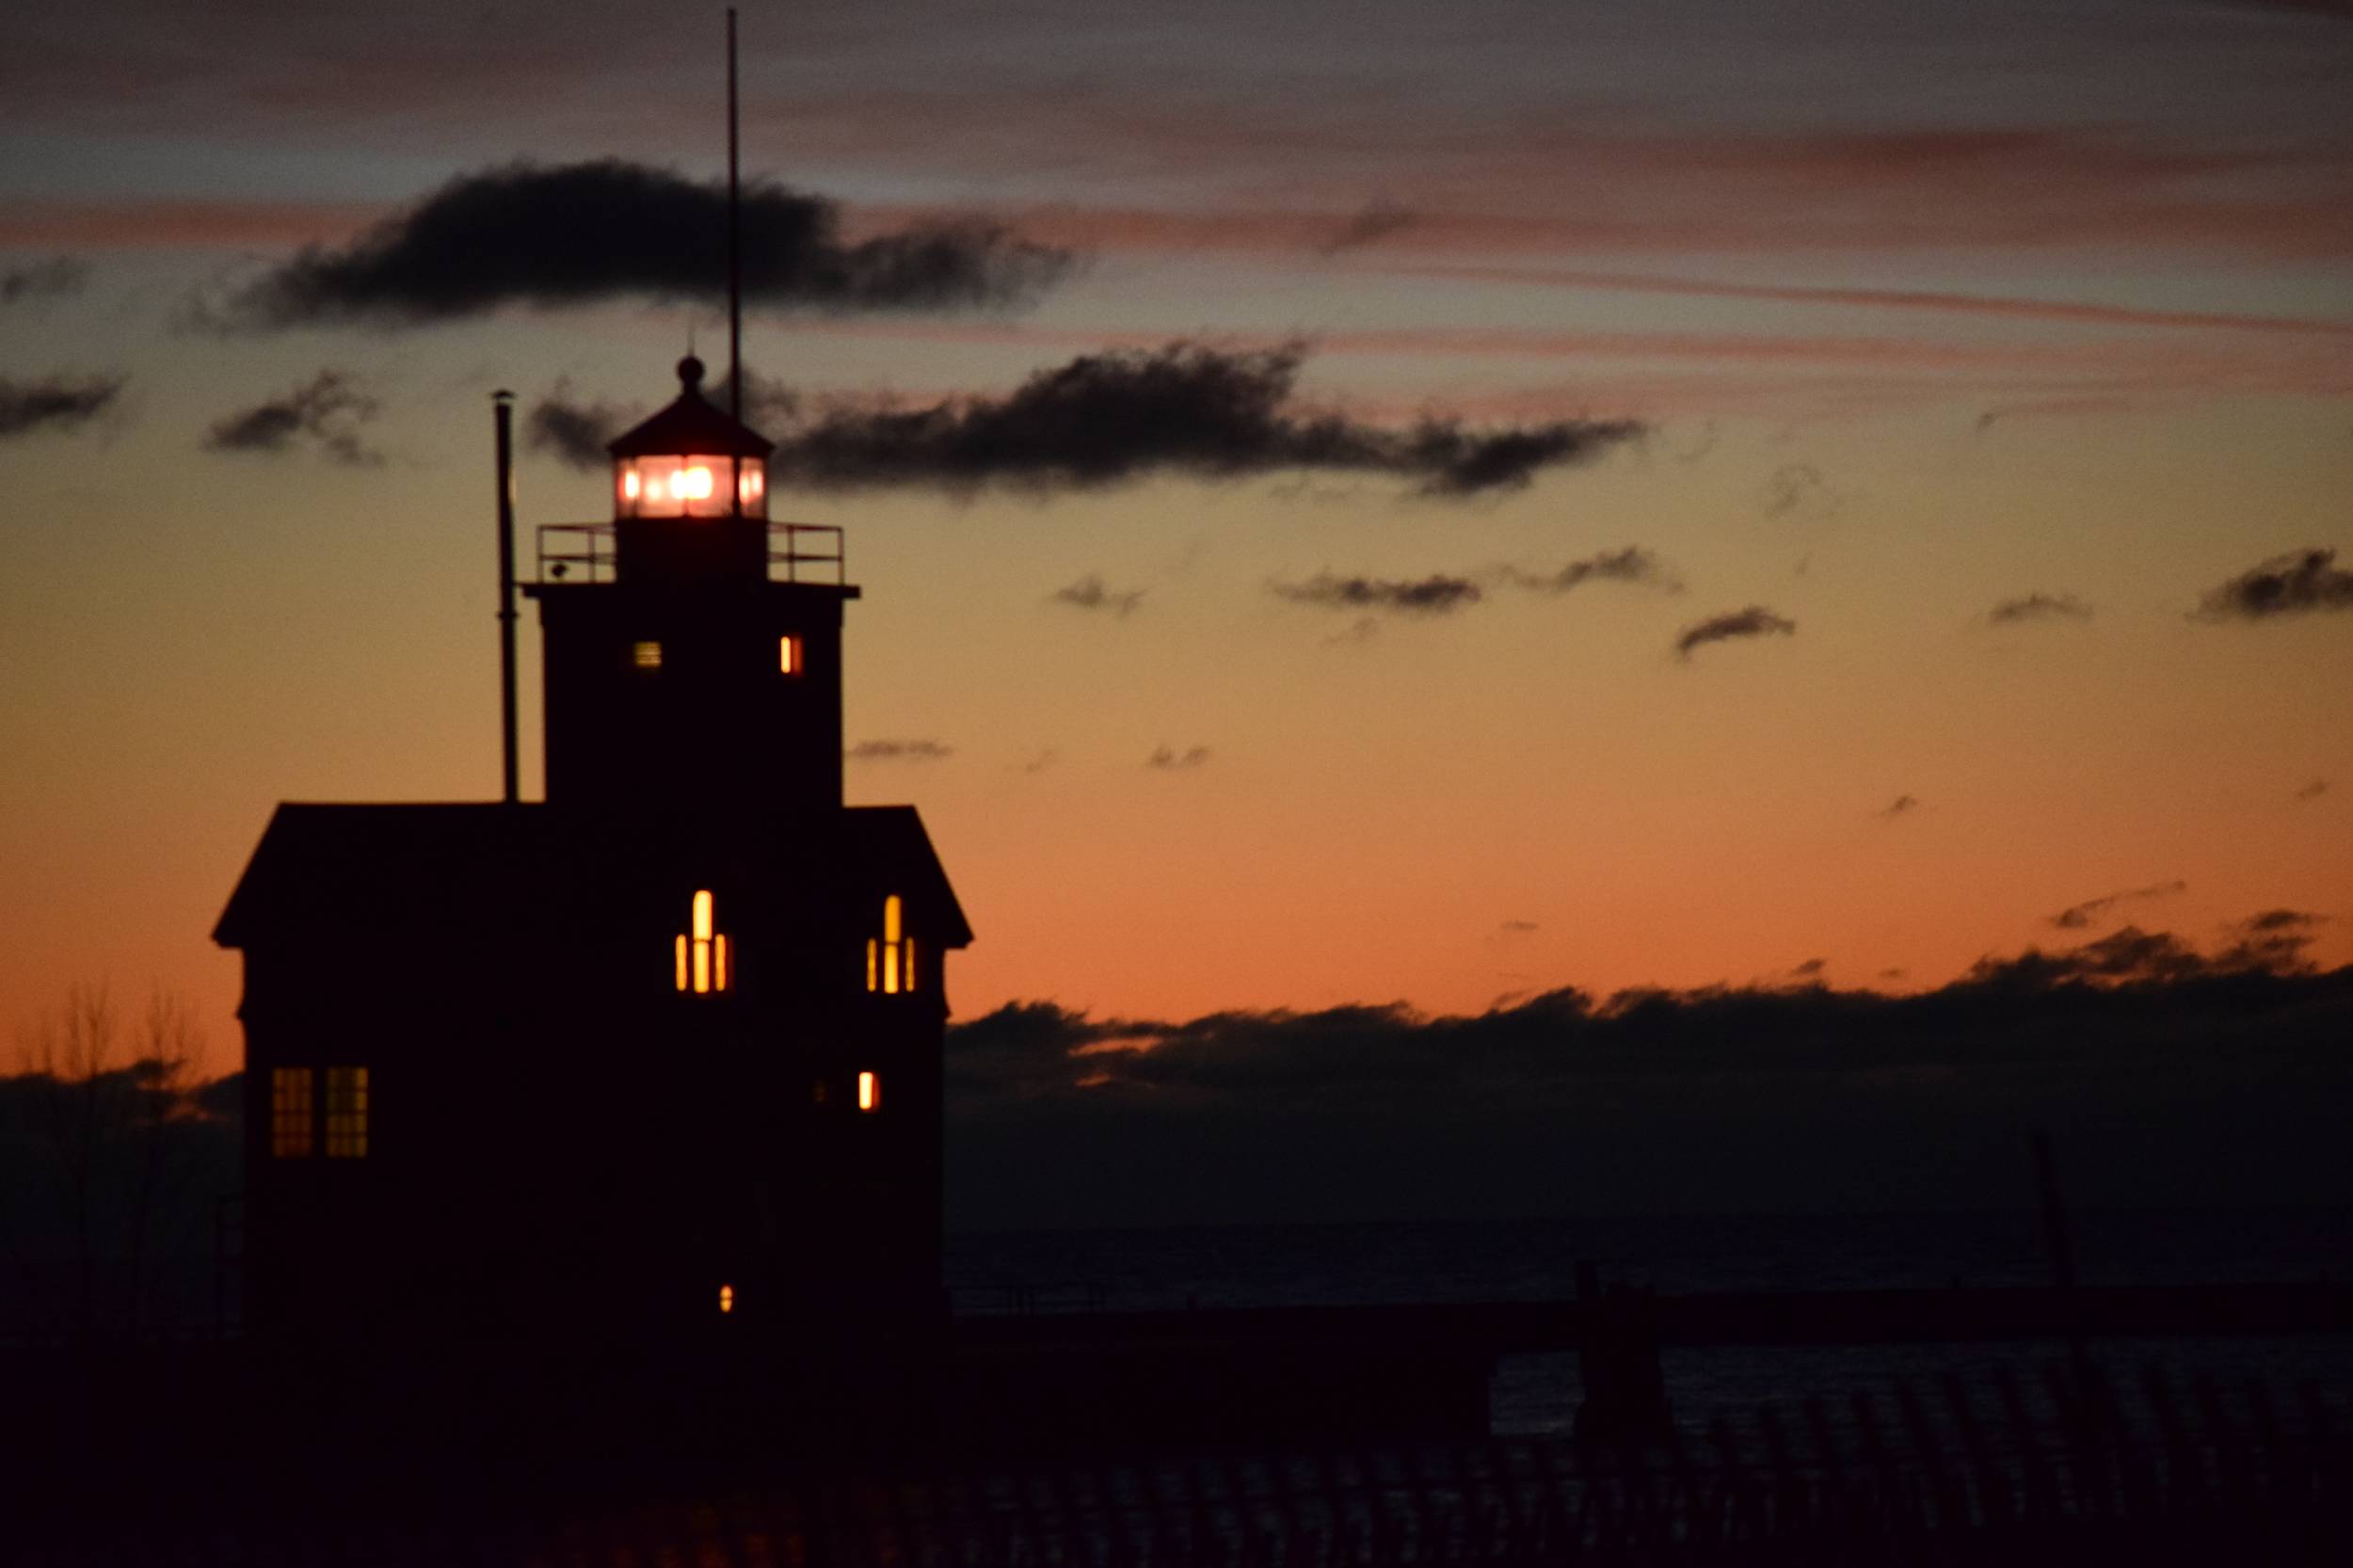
(691, 425)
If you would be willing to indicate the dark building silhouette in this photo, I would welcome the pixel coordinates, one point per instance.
(654, 1062)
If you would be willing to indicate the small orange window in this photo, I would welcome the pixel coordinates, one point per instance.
(292, 1127)
(698, 955)
(869, 1092)
(890, 959)
(789, 660)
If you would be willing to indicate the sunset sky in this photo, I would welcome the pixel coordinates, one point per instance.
(1994, 365)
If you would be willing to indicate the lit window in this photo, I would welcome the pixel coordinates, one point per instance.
(646, 656)
(727, 1298)
(688, 486)
(890, 961)
(869, 1092)
(788, 655)
(698, 958)
(346, 1112)
(290, 1125)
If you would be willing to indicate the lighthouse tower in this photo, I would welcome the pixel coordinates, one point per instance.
(654, 1062)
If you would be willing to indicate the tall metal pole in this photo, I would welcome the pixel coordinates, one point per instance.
(735, 290)
(504, 402)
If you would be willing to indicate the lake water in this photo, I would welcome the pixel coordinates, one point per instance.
(1534, 1260)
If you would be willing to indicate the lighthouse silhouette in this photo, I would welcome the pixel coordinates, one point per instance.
(653, 1065)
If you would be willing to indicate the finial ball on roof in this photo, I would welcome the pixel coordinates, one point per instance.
(690, 370)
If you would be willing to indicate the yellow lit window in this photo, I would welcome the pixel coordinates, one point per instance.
(727, 1298)
(890, 959)
(346, 1112)
(788, 655)
(699, 956)
(290, 1125)
(646, 656)
(869, 1092)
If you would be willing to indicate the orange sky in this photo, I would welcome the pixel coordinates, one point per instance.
(1955, 358)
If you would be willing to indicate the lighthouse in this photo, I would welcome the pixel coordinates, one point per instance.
(653, 1062)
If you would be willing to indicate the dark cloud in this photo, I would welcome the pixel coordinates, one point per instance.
(2210, 1076)
(1043, 761)
(55, 403)
(1798, 489)
(899, 751)
(1631, 565)
(2313, 791)
(1112, 418)
(1168, 759)
(579, 233)
(1377, 221)
(2300, 581)
(1811, 970)
(2035, 607)
(1089, 593)
(574, 431)
(1436, 595)
(1754, 621)
(37, 280)
(2277, 940)
(326, 413)
(1901, 805)
(1519, 928)
(2078, 916)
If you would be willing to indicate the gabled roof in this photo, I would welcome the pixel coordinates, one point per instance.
(485, 867)
(691, 425)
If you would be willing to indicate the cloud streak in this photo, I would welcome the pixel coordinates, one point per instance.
(1631, 565)
(2296, 584)
(55, 275)
(582, 233)
(2078, 916)
(1753, 621)
(1436, 595)
(326, 413)
(918, 750)
(55, 403)
(1090, 593)
(1169, 760)
(1114, 417)
(2037, 608)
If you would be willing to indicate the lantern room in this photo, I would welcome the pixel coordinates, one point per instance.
(690, 460)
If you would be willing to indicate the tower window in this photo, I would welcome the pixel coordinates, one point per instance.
(891, 960)
(788, 655)
(727, 1298)
(290, 1128)
(646, 655)
(869, 1092)
(346, 1112)
(698, 958)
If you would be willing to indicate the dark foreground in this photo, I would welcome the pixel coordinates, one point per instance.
(2073, 1467)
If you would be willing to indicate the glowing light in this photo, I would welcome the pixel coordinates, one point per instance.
(698, 956)
(890, 961)
(868, 1093)
(788, 654)
(727, 1298)
(694, 484)
(630, 485)
(290, 1129)
(646, 655)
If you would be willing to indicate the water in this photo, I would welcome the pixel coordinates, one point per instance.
(1534, 1260)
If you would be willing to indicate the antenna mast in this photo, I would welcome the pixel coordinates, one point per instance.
(735, 290)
